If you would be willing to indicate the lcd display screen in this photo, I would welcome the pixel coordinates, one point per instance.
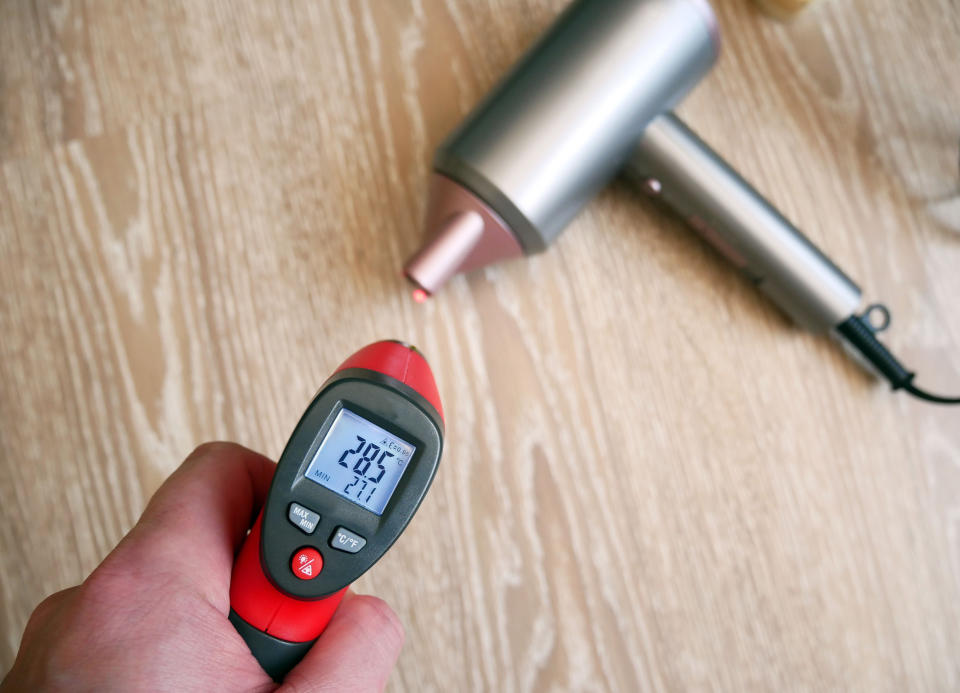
(360, 461)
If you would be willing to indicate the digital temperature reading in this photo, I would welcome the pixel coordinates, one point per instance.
(360, 461)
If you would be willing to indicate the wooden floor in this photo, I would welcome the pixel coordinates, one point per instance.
(651, 480)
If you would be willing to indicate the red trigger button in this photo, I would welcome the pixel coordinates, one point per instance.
(307, 563)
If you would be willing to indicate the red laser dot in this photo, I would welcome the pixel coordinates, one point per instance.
(419, 295)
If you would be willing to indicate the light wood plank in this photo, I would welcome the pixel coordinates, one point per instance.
(652, 481)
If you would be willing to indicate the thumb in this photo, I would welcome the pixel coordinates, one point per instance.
(356, 652)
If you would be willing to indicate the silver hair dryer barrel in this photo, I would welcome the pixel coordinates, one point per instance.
(562, 123)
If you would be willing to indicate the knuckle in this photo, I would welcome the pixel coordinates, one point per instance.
(47, 605)
(43, 611)
(211, 448)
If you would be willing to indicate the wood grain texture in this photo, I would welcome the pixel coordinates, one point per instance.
(651, 482)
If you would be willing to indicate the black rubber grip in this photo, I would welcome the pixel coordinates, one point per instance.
(276, 656)
(859, 335)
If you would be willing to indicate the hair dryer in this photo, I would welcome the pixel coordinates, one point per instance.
(590, 100)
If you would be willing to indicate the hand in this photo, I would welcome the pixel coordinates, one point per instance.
(153, 615)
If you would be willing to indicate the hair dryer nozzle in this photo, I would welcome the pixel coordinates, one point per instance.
(439, 259)
(464, 234)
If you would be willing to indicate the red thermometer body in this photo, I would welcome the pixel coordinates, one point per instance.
(350, 478)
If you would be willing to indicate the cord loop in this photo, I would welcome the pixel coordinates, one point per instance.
(872, 313)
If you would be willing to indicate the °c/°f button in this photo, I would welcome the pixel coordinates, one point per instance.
(345, 540)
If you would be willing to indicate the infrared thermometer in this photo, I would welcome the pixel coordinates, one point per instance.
(351, 477)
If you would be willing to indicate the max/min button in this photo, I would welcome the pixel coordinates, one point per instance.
(303, 518)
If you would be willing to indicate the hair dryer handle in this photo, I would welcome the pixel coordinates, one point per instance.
(674, 164)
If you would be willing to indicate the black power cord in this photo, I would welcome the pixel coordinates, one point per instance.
(923, 394)
(858, 332)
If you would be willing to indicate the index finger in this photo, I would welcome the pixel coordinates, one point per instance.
(197, 519)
